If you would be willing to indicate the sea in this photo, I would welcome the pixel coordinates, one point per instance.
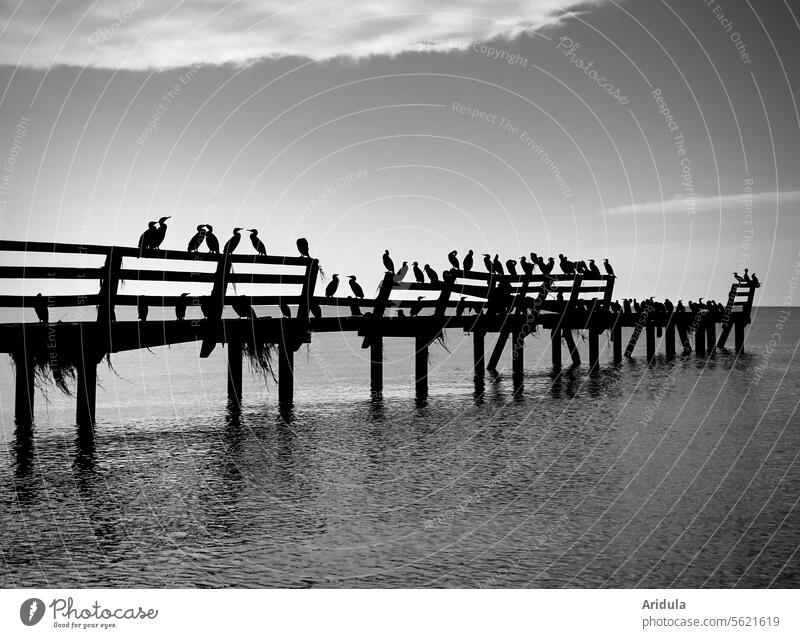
(679, 473)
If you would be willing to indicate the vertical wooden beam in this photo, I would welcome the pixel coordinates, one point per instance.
(594, 348)
(700, 340)
(24, 388)
(381, 301)
(376, 364)
(421, 366)
(727, 321)
(555, 346)
(738, 331)
(637, 332)
(573, 349)
(478, 351)
(669, 339)
(213, 306)
(518, 353)
(448, 279)
(494, 358)
(711, 336)
(304, 304)
(617, 339)
(87, 388)
(285, 374)
(234, 372)
(650, 333)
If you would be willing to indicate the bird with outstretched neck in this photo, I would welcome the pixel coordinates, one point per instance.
(261, 249)
(333, 286)
(233, 242)
(358, 291)
(211, 240)
(160, 234)
(197, 239)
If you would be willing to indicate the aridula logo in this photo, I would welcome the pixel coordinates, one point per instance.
(31, 611)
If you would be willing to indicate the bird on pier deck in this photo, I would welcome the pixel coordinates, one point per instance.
(358, 291)
(40, 306)
(142, 308)
(567, 267)
(669, 306)
(580, 267)
(594, 271)
(626, 306)
(181, 305)
(527, 267)
(387, 261)
(331, 288)
(401, 273)
(754, 280)
(211, 240)
(431, 274)
(738, 277)
(460, 306)
(416, 307)
(418, 274)
(355, 309)
(197, 239)
(693, 307)
(680, 307)
(497, 266)
(468, 261)
(487, 262)
(148, 237)
(546, 268)
(261, 249)
(302, 247)
(160, 234)
(745, 276)
(609, 269)
(511, 265)
(242, 307)
(451, 257)
(286, 311)
(233, 242)
(636, 307)
(400, 313)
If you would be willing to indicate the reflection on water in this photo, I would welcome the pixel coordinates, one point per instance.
(681, 472)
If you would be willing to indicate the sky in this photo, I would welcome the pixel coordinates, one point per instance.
(664, 136)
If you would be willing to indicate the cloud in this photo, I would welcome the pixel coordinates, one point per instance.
(143, 34)
(680, 204)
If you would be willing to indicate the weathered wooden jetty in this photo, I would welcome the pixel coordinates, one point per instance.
(479, 303)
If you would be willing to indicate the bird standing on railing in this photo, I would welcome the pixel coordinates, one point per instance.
(431, 274)
(680, 307)
(487, 262)
(416, 307)
(497, 267)
(242, 307)
(211, 240)
(580, 267)
(181, 305)
(451, 257)
(738, 277)
(302, 246)
(355, 309)
(401, 273)
(160, 234)
(358, 291)
(669, 306)
(197, 239)
(233, 242)
(418, 274)
(468, 261)
(316, 310)
(567, 267)
(609, 269)
(511, 264)
(745, 276)
(142, 308)
(460, 306)
(526, 266)
(387, 261)
(547, 267)
(40, 306)
(594, 271)
(147, 237)
(754, 280)
(333, 286)
(261, 249)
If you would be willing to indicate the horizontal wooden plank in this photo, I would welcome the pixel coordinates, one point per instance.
(413, 285)
(128, 274)
(535, 278)
(54, 301)
(49, 272)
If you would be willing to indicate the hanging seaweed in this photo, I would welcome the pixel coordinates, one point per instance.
(260, 358)
(60, 371)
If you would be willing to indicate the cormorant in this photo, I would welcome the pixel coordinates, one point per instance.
(754, 280)
(468, 261)
(400, 313)
(286, 311)
(241, 306)
(316, 310)
(669, 306)
(609, 269)
(40, 306)
(159, 234)
(261, 249)
(355, 310)
(211, 240)
(197, 240)
(416, 307)
(567, 267)
(746, 277)
(451, 257)
(401, 273)
(358, 291)
(738, 278)
(680, 307)
(431, 274)
(233, 242)
(511, 264)
(487, 262)
(636, 306)
(331, 288)
(593, 269)
(462, 303)
(418, 274)
(142, 308)
(626, 306)
(302, 246)
(580, 267)
(181, 305)
(546, 268)
(387, 261)
(148, 237)
(497, 267)
(526, 266)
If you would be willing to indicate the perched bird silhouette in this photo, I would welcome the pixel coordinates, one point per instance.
(497, 267)
(147, 238)
(242, 307)
(331, 288)
(181, 305)
(355, 309)
(261, 249)
(401, 273)
(754, 280)
(431, 274)
(211, 240)
(418, 274)
(526, 266)
(387, 261)
(451, 257)
(567, 267)
(197, 239)
(302, 246)
(745, 276)
(142, 308)
(160, 233)
(511, 264)
(669, 306)
(286, 311)
(636, 306)
(358, 291)
(580, 267)
(487, 262)
(609, 269)
(233, 242)
(40, 306)
(593, 269)
(400, 313)
(316, 310)
(462, 303)
(468, 261)
(546, 268)
(626, 304)
(416, 307)
(738, 278)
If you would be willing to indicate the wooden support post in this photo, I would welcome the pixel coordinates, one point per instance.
(376, 364)
(700, 340)
(684, 336)
(637, 331)
(23, 399)
(421, 366)
(381, 301)
(738, 332)
(594, 348)
(727, 320)
(494, 358)
(87, 388)
(711, 336)
(573, 349)
(617, 339)
(669, 339)
(650, 332)
(234, 373)
(518, 353)
(555, 346)
(213, 306)
(478, 351)
(285, 375)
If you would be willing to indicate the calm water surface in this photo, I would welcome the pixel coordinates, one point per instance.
(683, 473)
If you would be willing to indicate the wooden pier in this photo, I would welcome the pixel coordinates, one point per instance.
(479, 303)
